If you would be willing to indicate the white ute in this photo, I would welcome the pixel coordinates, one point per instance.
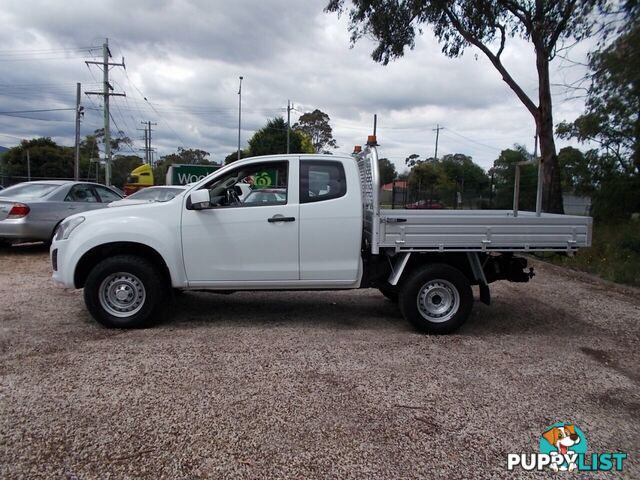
(326, 232)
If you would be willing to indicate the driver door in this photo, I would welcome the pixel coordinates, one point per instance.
(237, 242)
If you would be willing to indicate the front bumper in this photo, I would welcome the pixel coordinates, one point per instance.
(62, 272)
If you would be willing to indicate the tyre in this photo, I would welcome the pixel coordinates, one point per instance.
(390, 292)
(126, 291)
(436, 298)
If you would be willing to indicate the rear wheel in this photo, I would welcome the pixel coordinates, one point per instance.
(436, 298)
(125, 291)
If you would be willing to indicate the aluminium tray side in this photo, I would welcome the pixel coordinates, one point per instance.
(482, 230)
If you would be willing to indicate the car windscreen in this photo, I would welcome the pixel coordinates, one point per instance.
(156, 194)
(29, 190)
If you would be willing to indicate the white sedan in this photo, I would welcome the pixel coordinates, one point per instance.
(151, 195)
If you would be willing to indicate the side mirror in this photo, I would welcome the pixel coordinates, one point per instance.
(200, 199)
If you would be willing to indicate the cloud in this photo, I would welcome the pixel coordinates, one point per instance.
(183, 59)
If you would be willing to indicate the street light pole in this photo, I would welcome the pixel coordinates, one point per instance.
(239, 115)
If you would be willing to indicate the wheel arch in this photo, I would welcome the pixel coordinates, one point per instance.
(93, 256)
(416, 260)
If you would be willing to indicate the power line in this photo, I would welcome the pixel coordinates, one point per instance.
(153, 108)
(473, 141)
(47, 50)
(122, 131)
(37, 111)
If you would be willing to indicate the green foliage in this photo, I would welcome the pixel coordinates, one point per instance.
(612, 116)
(316, 125)
(191, 156)
(454, 181)
(272, 139)
(233, 156)
(429, 181)
(470, 179)
(387, 171)
(611, 119)
(576, 172)
(503, 173)
(47, 159)
(614, 256)
(616, 198)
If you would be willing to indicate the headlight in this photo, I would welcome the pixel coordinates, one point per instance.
(68, 226)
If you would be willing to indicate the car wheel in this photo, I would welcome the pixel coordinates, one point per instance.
(436, 298)
(126, 291)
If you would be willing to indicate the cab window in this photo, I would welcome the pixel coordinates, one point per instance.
(81, 193)
(321, 180)
(252, 185)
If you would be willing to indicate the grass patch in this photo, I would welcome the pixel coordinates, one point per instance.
(614, 255)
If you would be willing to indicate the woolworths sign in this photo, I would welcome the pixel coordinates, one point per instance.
(183, 174)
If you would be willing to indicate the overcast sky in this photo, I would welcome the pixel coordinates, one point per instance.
(186, 56)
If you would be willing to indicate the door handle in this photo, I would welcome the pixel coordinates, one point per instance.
(277, 218)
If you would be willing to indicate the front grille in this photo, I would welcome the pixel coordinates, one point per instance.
(54, 259)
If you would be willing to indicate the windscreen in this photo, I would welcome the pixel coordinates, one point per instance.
(156, 194)
(29, 190)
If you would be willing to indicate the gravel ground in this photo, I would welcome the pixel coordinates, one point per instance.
(311, 384)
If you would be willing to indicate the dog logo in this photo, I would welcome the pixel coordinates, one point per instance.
(566, 441)
(563, 448)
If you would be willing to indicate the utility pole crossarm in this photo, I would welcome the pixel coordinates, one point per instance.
(110, 64)
(110, 94)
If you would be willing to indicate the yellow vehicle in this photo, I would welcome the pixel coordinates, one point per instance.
(140, 177)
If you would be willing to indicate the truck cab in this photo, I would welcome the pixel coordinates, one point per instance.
(140, 177)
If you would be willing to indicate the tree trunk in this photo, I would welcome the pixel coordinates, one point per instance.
(551, 189)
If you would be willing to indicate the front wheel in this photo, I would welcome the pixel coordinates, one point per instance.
(125, 291)
(436, 298)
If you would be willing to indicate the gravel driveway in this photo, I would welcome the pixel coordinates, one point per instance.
(311, 384)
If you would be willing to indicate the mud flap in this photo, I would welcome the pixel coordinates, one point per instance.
(485, 294)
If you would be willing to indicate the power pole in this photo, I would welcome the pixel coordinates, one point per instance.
(28, 166)
(149, 141)
(146, 143)
(239, 114)
(288, 123)
(106, 93)
(79, 113)
(437, 130)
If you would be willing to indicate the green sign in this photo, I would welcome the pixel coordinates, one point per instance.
(183, 174)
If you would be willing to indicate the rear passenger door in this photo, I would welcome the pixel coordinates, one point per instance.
(330, 221)
(80, 198)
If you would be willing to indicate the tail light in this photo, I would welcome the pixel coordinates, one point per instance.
(19, 210)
